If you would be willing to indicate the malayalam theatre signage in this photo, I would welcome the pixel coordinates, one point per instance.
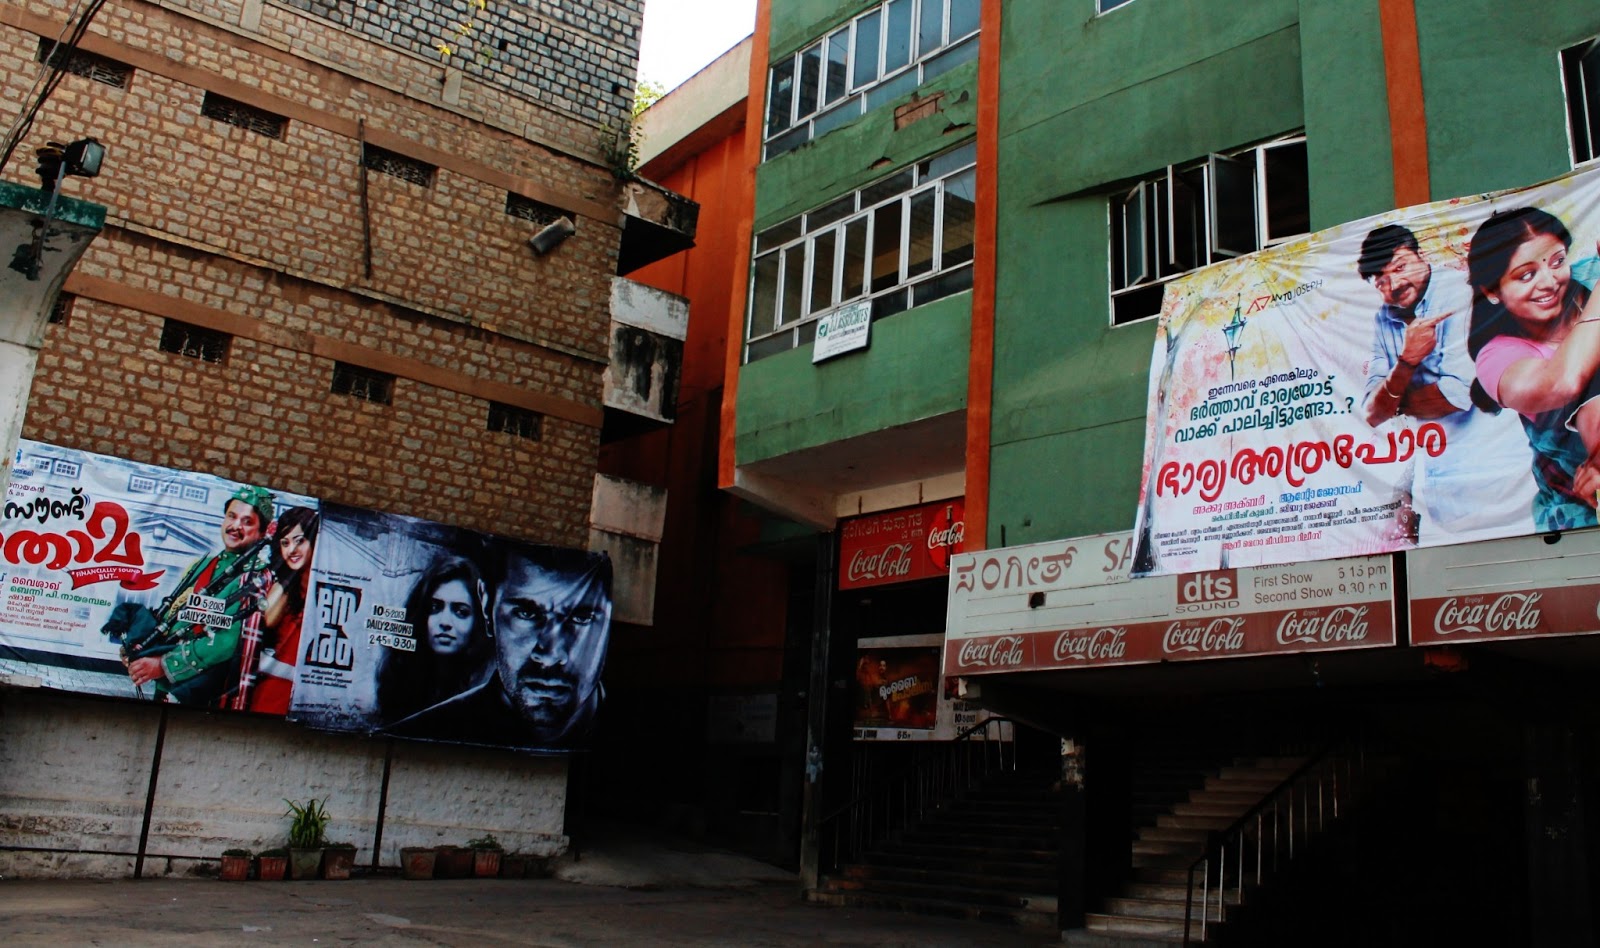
(1506, 589)
(899, 546)
(1074, 604)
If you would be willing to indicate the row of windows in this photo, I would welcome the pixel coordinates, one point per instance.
(272, 125)
(1189, 215)
(878, 56)
(902, 241)
(355, 381)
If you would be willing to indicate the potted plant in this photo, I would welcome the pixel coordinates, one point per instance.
(236, 865)
(513, 865)
(270, 865)
(338, 859)
(308, 827)
(416, 862)
(454, 862)
(486, 852)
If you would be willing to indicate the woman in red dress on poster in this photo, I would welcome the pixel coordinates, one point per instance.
(292, 546)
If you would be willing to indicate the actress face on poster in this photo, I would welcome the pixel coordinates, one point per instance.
(1536, 341)
(283, 613)
(446, 613)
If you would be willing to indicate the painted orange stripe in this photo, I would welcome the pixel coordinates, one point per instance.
(744, 207)
(1408, 118)
(980, 360)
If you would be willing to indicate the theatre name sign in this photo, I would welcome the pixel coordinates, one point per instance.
(1073, 604)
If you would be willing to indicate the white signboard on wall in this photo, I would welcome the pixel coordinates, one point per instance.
(846, 329)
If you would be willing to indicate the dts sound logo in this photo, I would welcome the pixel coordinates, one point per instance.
(1211, 591)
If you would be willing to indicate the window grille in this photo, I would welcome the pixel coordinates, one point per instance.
(195, 342)
(512, 420)
(248, 117)
(62, 309)
(528, 209)
(360, 382)
(85, 64)
(400, 166)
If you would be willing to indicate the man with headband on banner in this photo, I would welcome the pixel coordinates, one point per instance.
(189, 648)
(1420, 370)
(551, 618)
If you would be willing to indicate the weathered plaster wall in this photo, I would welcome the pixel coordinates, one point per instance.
(74, 773)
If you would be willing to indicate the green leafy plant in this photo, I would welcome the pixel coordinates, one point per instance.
(276, 852)
(245, 853)
(486, 841)
(308, 824)
(462, 39)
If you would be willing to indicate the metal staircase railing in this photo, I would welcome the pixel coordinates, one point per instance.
(941, 773)
(1271, 834)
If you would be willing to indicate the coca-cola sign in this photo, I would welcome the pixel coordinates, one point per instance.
(1342, 624)
(899, 546)
(1530, 587)
(1003, 653)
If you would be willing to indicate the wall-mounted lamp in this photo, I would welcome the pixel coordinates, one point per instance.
(551, 235)
(81, 159)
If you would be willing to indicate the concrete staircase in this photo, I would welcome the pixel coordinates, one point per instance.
(1149, 909)
(991, 856)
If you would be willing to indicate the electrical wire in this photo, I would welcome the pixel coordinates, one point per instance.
(51, 71)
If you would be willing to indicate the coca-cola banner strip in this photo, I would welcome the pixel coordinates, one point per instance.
(899, 546)
(1071, 604)
(1505, 589)
(1323, 399)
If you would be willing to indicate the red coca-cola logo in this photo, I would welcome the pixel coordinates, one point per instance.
(1098, 645)
(946, 535)
(1341, 624)
(892, 562)
(1511, 612)
(1218, 635)
(1003, 652)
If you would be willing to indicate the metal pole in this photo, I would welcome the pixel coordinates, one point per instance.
(816, 716)
(383, 800)
(150, 792)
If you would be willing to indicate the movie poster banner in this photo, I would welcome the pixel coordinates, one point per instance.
(900, 694)
(136, 581)
(1414, 379)
(420, 630)
(1074, 604)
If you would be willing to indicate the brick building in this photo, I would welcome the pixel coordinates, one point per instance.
(315, 275)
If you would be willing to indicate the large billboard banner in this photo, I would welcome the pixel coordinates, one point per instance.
(1415, 379)
(125, 579)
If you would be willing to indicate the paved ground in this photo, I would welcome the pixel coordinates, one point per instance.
(394, 912)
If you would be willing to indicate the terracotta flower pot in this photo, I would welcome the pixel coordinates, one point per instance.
(454, 863)
(271, 868)
(235, 868)
(337, 861)
(303, 863)
(417, 862)
(513, 867)
(486, 863)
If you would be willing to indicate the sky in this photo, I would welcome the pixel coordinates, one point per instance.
(682, 36)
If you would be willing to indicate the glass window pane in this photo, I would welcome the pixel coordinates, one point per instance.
(1288, 191)
(778, 235)
(960, 212)
(868, 35)
(891, 90)
(1106, 5)
(789, 141)
(945, 284)
(833, 87)
(810, 81)
(1186, 240)
(897, 44)
(842, 114)
(885, 189)
(963, 18)
(1130, 211)
(782, 97)
(772, 345)
(854, 281)
(794, 276)
(1233, 206)
(950, 59)
(764, 296)
(930, 32)
(827, 214)
(942, 165)
(822, 253)
(886, 246)
(919, 246)
(888, 304)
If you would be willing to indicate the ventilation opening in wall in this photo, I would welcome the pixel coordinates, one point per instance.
(360, 382)
(530, 210)
(87, 65)
(404, 167)
(62, 309)
(512, 420)
(196, 342)
(248, 117)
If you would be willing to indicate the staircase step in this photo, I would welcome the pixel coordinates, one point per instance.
(1125, 924)
(1193, 822)
(1244, 799)
(1163, 847)
(1083, 938)
(1152, 875)
(1163, 860)
(1172, 892)
(1260, 786)
(1175, 834)
(1021, 917)
(976, 853)
(1206, 808)
(1033, 883)
(995, 867)
(1147, 908)
(946, 893)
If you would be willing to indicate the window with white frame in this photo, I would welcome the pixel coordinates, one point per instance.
(1580, 69)
(877, 56)
(902, 241)
(1187, 216)
(1106, 6)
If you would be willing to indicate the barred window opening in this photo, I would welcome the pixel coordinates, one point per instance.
(88, 65)
(528, 209)
(397, 165)
(360, 382)
(248, 117)
(194, 342)
(511, 420)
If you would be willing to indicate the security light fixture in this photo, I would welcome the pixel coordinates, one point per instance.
(551, 235)
(80, 159)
